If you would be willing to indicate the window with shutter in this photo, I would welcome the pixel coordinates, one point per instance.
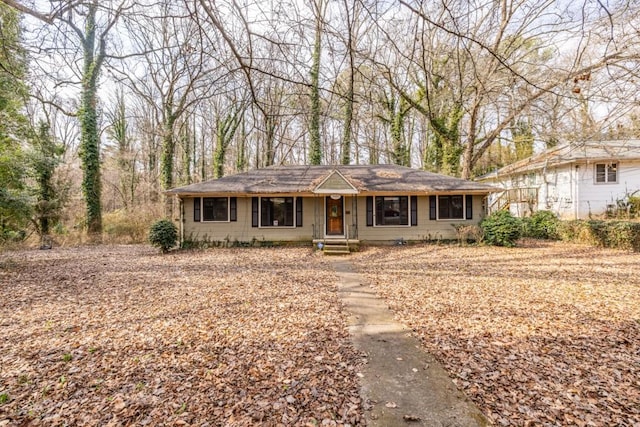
(215, 209)
(450, 207)
(392, 210)
(276, 212)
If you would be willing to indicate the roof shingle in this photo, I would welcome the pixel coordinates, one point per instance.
(304, 179)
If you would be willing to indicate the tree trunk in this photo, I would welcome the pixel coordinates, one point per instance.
(269, 153)
(315, 145)
(241, 159)
(348, 109)
(166, 161)
(226, 130)
(89, 132)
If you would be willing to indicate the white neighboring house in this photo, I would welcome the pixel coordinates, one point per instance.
(575, 181)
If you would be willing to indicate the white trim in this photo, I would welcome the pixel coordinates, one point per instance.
(606, 165)
(326, 223)
(216, 197)
(276, 227)
(375, 216)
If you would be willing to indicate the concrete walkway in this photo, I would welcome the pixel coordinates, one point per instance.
(402, 383)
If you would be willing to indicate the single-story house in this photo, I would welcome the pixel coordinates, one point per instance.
(373, 203)
(575, 181)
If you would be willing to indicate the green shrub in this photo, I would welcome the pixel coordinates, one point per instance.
(501, 229)
(622, 235)
(163, 234)
(541, 225)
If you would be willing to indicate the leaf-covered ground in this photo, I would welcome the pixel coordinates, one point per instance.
(542, 335)
(121, 335)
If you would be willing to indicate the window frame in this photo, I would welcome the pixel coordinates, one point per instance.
(294, 208)
(408, 215)
(607, 167)
(202, 211)
(463, 210)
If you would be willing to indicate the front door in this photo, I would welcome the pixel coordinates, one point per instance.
(335, 216)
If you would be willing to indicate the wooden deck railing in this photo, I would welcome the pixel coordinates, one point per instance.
(514, 195)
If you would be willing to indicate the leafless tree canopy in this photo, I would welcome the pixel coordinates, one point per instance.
(196, 89)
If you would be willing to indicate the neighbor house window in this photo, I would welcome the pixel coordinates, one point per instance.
(276, 212)
(606, 172)
(215, 209)
(451, 207)
(392, 210)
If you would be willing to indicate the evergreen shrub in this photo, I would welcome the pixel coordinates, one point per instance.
(541, 225)
(163, 234)
(501, 229)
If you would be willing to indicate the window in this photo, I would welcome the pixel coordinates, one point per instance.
(276, 212)
(450, 207)
(392, 210)
(215, 209)
(606, 172)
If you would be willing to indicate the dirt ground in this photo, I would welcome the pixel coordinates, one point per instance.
(544, 334)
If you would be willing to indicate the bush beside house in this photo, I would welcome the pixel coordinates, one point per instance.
(503, 229)
(163, 234)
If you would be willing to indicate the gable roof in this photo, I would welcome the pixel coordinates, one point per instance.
(587, 151)
(306, 179)
(335, 183)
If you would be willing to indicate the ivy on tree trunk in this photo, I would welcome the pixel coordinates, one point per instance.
(315, 147)
(88, 117)
(166, 159)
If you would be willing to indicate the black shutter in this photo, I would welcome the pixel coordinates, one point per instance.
(469, 203)
(254, 211)
(432, 207)
(233, 209)
(369, 211)
(196, 209)
(414, 211)
(299, 212)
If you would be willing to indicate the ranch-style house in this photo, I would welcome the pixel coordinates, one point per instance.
(329, 204)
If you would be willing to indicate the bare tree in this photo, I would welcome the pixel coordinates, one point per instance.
(169, 44)
(507, 57)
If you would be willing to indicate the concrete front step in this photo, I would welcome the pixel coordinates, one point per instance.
(336, 250)
(337, 246)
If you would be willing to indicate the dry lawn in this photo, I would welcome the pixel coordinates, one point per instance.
(542, 335)
(121, 335)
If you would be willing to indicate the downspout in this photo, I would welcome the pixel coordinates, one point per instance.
(354, 215)
(577, 193)
(181, 203)
(546, 187)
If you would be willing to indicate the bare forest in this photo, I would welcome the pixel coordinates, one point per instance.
(131, 98)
